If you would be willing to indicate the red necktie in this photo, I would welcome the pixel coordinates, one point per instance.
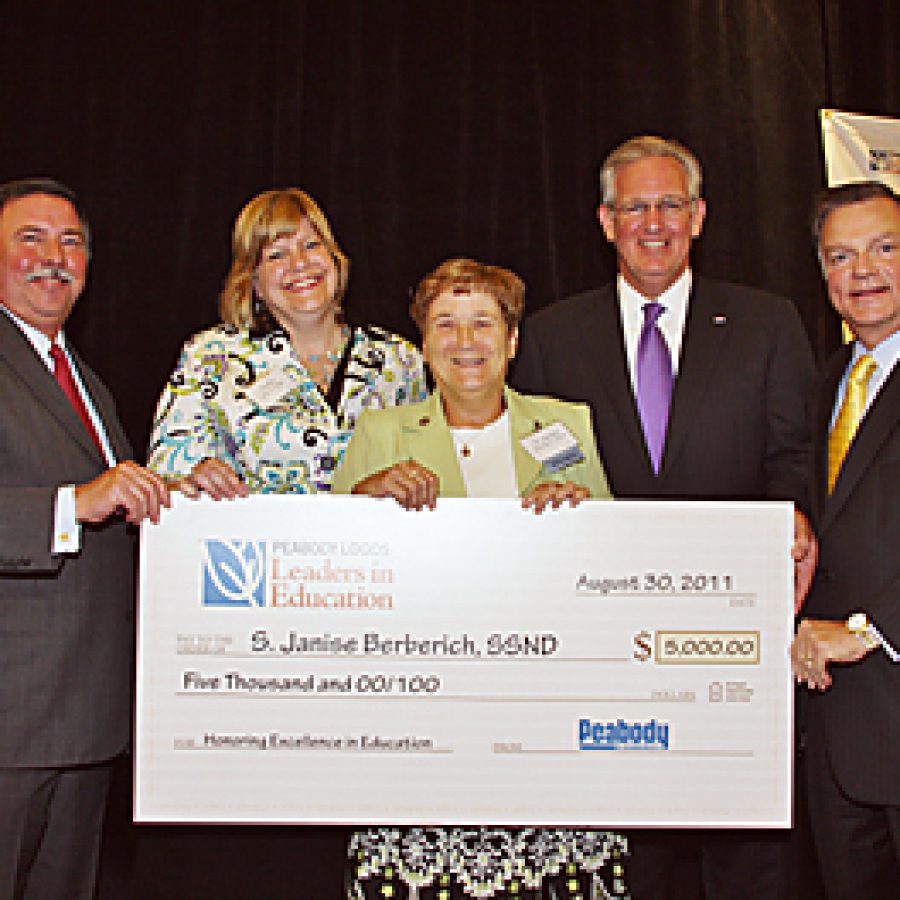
(62, 372)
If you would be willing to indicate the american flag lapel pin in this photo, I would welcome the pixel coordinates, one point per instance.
(719, 319)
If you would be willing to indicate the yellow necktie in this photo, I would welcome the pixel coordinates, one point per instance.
(848, 416)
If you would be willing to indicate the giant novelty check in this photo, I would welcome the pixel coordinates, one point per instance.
(341, 660)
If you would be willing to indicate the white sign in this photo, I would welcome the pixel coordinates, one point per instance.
(860, 148)
(342, 660)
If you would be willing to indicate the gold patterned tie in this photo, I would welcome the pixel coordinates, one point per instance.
(848, 416)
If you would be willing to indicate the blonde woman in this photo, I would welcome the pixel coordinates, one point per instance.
(266, 401)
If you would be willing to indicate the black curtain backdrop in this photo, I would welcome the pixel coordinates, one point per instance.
(425, 129)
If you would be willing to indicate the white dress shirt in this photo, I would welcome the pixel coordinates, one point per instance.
(486, 459)
(670, 322)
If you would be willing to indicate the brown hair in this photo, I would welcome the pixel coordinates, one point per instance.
(832, 198)
(463, 276)
(266, 217)
(28, 187)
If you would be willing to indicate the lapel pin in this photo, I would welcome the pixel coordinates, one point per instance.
(720, 320)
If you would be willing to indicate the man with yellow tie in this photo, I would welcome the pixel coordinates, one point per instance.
(846, 648)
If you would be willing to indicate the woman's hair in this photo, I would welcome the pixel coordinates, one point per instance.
(465, 276)
(268, 216)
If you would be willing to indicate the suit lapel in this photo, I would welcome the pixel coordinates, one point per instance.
(705, 333)
(821, 422)
(879, 423)
(521, 424)
(100, 398)
(427, 440)
(603, 343)
(37, 378)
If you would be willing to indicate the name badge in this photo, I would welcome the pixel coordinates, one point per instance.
(269, 389)
(554, 447)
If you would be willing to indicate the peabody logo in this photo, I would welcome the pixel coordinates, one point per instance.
(234, 573)
(622, 735)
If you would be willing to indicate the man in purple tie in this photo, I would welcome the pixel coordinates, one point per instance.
(699, 390)
(67, 494)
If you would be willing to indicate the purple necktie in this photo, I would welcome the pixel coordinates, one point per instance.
(653, 377)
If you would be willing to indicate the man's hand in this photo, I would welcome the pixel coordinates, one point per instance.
(818, 643)
(805, 553)
(555, 495)
(411, 485)
(215, 478)
(127, 488)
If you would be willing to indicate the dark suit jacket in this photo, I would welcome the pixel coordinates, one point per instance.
(65, 621)
(859, 569)
(738, 425)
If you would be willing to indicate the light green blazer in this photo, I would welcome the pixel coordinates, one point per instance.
(420, 432)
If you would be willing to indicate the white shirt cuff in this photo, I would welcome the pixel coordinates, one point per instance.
(66, 528)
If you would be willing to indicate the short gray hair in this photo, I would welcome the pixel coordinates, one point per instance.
(648, 146)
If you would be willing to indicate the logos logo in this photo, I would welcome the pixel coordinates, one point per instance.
(234, 573)
(622, 735)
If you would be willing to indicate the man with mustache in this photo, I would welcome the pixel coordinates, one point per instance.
(698, 391)
(68, 492)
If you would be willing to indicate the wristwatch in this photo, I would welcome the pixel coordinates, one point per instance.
(859, 625)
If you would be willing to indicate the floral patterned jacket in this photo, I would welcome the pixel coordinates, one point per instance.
(250, 402)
